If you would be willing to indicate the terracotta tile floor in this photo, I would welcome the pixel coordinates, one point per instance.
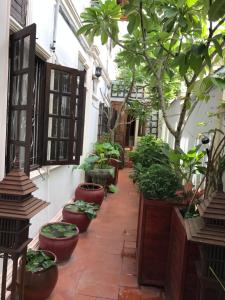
(103, 265)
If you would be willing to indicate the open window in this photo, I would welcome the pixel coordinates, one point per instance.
(64, 115)
(46, 108)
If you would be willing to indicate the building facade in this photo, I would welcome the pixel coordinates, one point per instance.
(50, 96)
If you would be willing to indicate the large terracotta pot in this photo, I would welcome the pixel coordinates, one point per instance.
(61, 247)
(90, 192)
(39, 285)
(80, 219)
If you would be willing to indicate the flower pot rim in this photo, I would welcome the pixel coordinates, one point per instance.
(98, 186)
(57, 238)
(45, 270)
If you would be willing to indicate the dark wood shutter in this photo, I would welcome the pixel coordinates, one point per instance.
(21, 96)
(64, 115)
(19, 11)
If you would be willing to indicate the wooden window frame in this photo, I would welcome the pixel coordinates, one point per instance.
(78, 120)
(16, 143)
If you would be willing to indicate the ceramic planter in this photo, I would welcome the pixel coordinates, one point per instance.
(104, 177)
(90, 192)
(182, 279)
(39, 285)
(154, 224)
(61, 247)
(78, 218)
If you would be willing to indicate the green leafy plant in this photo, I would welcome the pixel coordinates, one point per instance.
(81, 206)
(38, 260)
(113, 188)
(59, 230)
(188, 164)
(159, 182)
(149, 150)
(108, 149)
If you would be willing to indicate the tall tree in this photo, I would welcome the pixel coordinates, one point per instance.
(182, 39)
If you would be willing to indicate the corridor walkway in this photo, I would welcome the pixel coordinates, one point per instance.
(103, 265)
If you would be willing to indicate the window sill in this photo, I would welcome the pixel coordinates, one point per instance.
(42, 171)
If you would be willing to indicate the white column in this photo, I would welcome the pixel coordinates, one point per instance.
(4, 50)
(136, 132)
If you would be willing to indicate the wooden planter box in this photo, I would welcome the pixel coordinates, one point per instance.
(182, 279)
(153, 241)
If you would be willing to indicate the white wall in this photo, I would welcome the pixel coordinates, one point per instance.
(199, 115)
(4, 46)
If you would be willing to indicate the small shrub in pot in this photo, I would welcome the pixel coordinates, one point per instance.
(159, 182)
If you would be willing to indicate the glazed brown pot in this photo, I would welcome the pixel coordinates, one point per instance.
(80, 219)
(61, 247)
(90, 192)
(39, 285)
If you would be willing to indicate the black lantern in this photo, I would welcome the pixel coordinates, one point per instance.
(98, 72)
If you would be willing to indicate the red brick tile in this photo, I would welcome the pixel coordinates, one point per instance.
(103, 290)
(128, 280)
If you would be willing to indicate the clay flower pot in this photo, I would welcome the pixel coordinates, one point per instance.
(39, 285)
(80, 213)
(90, 192)
(78, 218)
(62, 247)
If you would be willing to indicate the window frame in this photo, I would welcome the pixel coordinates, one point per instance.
(20, 36)
(73, 158)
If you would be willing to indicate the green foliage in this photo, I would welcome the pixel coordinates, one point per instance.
(150, 150)
(188, 164)
(108, 149)
(59, 230)
(171, 41)
(101, 20)
(37, 261)
(99, 159)
(159, 182)
(113, 188)
(81, 206)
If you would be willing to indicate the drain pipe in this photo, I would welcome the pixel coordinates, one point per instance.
(52, 45)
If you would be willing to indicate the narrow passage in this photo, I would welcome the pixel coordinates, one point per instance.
(103, 265)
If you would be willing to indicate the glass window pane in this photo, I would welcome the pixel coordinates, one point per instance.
(26, 48)
(66, 79)
(14, 122)
(65, 107)
(64, 128)
(22, 157)
(74, 149)
(75, 130)
(53, 104)
(55, 78)
(15, 94)
(52, 150)
(63, 150)
(16, 55)
(24, 89)
(22, 124)
(76, 111)
(52, 127)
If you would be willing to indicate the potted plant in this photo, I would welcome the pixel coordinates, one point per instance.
(150, 150)
(80, 213)
(40, 276)
(158, 186)
(59, 237)
(182, 277)
(90, 192)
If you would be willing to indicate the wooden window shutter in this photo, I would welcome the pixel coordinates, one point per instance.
(64, 115)
(21, 96)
